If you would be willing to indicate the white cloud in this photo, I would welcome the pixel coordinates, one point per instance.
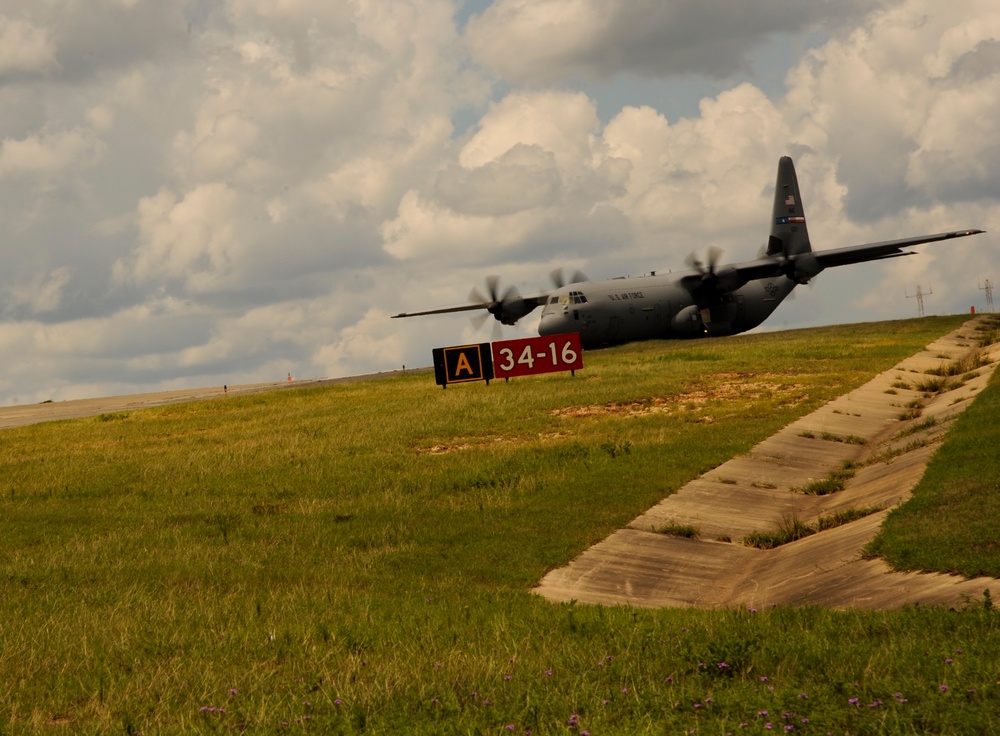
(48, 155)
(24, 47)
(532, 41)
(42, 294)
(559, 122)
(201, 192)
(195, 238)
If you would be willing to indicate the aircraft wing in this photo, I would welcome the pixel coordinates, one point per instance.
(804, 266)
(526, 303)
(885, 249)
(444, 310)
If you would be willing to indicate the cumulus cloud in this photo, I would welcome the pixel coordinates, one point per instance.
(200, 192)
(47, 155)
(24, 48)
(532, 41)
(534, 163)
(900, 105)
(42, 294)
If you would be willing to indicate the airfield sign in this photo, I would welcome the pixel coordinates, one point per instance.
(463, 363)
(507, 359)
(533, 355)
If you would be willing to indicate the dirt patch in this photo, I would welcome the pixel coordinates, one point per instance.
(730, 387)
(460, 444)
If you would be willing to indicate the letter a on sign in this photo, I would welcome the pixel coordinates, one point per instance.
(463, 366)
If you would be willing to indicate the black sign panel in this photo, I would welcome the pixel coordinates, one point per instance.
(463, 363)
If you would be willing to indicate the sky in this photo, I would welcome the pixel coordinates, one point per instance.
(205, 192)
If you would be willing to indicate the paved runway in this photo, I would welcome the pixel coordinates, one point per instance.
(19, 416)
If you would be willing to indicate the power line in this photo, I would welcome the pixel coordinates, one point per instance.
(920, 298)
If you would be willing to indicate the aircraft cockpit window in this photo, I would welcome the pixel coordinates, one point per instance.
(577, 297)
(553, 299)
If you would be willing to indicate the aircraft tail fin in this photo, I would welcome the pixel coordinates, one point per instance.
(789, 235)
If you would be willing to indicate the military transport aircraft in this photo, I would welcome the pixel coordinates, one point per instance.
(707, 300)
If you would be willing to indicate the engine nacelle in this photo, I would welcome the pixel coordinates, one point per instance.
(688, 323)
(695, 321)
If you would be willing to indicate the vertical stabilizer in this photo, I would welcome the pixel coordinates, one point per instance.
(789, 235)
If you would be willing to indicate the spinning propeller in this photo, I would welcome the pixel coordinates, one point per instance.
(710, 282)
(558, 278)
(506, 306)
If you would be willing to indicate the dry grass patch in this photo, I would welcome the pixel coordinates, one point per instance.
(723, 387)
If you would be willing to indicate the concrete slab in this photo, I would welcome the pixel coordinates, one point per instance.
(888, 443)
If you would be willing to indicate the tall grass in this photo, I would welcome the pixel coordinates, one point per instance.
(357, 559)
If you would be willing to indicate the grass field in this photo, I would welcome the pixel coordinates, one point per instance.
(357, 559)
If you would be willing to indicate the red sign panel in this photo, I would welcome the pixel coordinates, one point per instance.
(532, 355)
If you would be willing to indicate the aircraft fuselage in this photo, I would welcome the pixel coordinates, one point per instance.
(621, 310)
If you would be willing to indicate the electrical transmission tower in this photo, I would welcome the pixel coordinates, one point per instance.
(920, 298)
(989, 294)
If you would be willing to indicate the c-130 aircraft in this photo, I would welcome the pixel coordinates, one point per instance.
(706, 301)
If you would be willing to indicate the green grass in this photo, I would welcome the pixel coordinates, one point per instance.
(951, 523)
(357, 559)
(678, 530)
